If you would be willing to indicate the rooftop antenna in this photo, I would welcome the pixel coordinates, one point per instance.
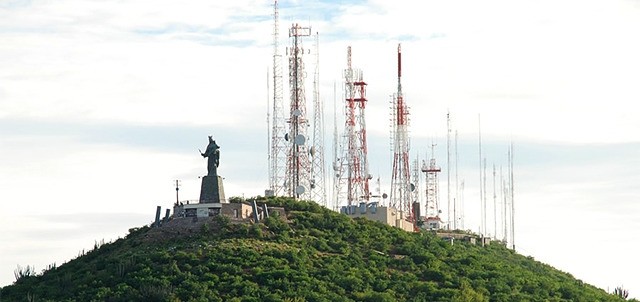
(177, 189)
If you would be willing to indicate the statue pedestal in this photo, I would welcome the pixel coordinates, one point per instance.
(212, 190)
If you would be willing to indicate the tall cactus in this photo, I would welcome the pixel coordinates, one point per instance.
(621, 292)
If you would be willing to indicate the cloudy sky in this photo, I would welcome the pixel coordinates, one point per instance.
(103, 104)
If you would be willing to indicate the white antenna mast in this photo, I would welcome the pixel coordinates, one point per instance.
(495, 215)
(455, 212)
(513, 233)
(480, 170)
(449, 217)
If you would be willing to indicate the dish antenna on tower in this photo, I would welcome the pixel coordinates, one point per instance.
(300, 190)
(300, 139)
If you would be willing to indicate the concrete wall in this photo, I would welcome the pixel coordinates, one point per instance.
(237, 210)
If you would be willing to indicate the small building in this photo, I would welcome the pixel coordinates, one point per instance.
(373, 211)
(432, 223)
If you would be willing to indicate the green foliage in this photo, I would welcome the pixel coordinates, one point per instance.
(313, 254)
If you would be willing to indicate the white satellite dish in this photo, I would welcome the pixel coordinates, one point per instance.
(297, 112)
(300, 139)
(300, 189)
(312, 151)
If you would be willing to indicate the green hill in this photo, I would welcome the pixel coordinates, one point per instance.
(317, 255)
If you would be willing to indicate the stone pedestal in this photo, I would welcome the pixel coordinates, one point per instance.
(212, 190)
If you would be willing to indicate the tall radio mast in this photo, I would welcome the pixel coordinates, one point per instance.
(278, 145)
(318, 189)
(352, 170)
(298, 176)
(400, 197)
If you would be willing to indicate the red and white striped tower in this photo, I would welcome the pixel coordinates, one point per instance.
(352, 170)
(400, 197)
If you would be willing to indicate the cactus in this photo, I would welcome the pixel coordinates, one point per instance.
(21, 272)
(621, 292)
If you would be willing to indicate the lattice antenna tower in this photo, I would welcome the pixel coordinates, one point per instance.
(415, 188)
(337, 166)
(432, 170)
(400, 179)
(354, 166)
(298, 177)
(278, 145)
(318, 188)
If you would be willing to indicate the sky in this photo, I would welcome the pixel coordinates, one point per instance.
(104, 104)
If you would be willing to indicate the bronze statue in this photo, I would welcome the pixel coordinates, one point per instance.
(213, 153)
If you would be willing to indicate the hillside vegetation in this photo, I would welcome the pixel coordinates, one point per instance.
(317, 255)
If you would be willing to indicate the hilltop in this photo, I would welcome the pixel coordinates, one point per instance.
(313, 254)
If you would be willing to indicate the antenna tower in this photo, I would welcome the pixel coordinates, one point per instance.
(400, 182)
(278, 145)
(513, 209)
(337, 161)
(415, 193)
(431, 171)
(298, 176)
(451, 219)
(458, 212)
(352, 170)
(318, 189)
(495, 206)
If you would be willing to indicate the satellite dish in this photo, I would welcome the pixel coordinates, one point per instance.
(300, 189)
(312, 151)
(384, 195)
(300, 139)
(297, 112)
(286, 136)
(413, 187)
